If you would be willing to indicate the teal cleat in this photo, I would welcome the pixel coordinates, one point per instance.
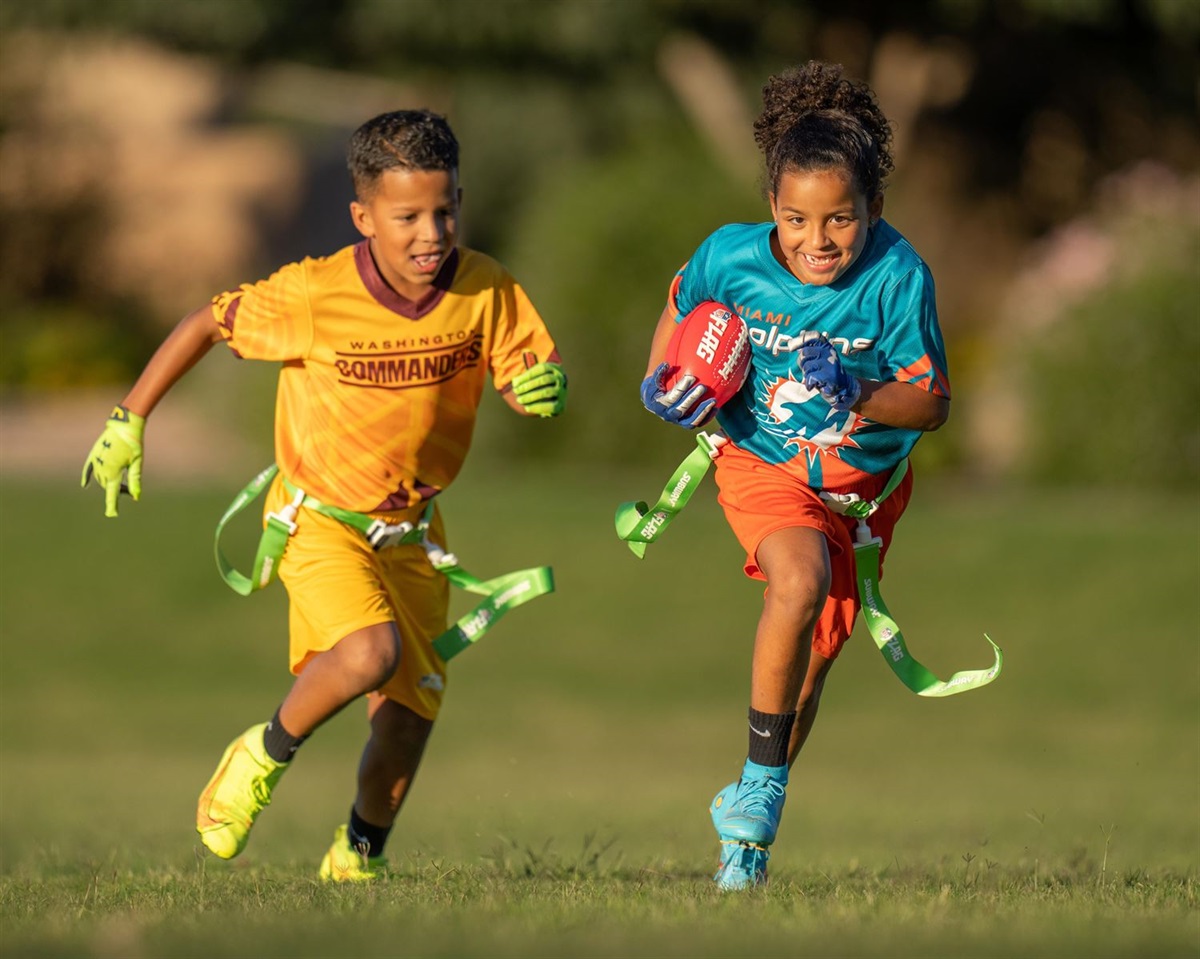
(743, 865)
(721, 802)
(749, 810)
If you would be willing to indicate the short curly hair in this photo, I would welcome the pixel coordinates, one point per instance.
(814, 118)
(399, 140)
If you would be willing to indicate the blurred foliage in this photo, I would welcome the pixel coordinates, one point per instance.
(1113, 391)
(59, 345)
(589, 176)
(596, 247)
(569, 34)
(58, 330)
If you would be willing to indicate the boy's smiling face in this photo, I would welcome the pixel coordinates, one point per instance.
(411, 219)
(820, 224)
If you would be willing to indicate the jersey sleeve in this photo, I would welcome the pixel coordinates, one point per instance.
(911, 348)
(690, 287)
(270, 319)
(521, 339)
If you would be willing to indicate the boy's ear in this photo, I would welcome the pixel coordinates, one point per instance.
(361, 216)
(876, 208)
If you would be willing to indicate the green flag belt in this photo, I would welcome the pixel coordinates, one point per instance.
(501, 593)
(639, 525)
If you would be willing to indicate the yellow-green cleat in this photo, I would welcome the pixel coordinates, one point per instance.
(346, 863)
(239, 790)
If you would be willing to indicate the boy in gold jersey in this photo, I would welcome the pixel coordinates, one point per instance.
(385, 348)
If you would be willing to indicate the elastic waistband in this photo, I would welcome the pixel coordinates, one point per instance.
(868, 486)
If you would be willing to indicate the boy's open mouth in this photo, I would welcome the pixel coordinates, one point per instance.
(427, 262)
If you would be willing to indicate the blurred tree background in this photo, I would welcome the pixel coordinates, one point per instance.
(153, 153)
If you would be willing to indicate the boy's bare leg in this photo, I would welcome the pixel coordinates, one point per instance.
(385, 774)
(796, 563)
(390, 759)
(746, 813)
(361, 662)
(791, 607)
(253, 763)
(810, 700)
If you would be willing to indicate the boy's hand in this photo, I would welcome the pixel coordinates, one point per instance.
(119, 449)
(677, 405)
(822, 369)
(542, 389)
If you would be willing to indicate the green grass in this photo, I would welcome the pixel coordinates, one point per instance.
(562, 806)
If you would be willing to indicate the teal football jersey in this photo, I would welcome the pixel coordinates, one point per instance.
(882, 317)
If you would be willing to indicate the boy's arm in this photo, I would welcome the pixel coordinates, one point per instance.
(194, 336)
(904, 405)
(118, 451)
(662, 336)
(892, 403)
(679, 405)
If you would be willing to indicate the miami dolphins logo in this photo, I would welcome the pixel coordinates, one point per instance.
(783, 399)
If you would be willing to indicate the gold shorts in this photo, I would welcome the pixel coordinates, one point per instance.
(337, 584)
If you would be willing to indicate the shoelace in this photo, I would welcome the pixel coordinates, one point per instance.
(752, 858)
(260, 788)
(760, 796)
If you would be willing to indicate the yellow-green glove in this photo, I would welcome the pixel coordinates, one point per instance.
(541, 389)
(117, 452)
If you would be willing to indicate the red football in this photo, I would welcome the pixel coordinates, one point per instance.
(712, 344)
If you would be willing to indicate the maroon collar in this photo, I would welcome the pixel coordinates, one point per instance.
(378, 287)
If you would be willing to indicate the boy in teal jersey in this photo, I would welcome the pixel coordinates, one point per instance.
(848, 370)
(880, 318)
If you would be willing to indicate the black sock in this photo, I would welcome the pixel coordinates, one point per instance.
(769, 736)
(362, 833)
(278, 742)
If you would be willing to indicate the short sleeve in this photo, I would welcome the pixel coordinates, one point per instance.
(690, 287)
(521, 339)
(270, 319)
(911, 349)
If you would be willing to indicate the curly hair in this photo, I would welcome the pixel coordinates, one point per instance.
(813, 118)
(400, 140)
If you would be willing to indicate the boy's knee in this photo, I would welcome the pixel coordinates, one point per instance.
(801, 590)
(371, 654)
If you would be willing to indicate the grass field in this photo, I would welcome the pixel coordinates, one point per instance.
(561, 810)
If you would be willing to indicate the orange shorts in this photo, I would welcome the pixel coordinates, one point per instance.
(760, 498)
(337, 584)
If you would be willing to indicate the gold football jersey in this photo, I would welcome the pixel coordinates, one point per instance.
(378, 394)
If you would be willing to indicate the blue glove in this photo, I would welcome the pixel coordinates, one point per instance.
(676, 406)
(822, 368)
